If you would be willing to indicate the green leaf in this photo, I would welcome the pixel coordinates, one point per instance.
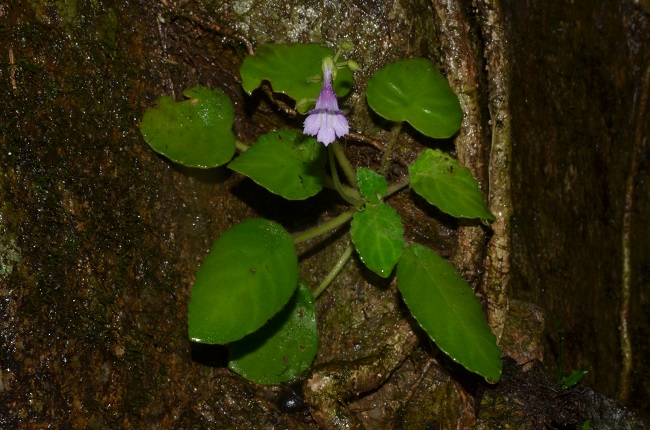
(292, 69)
(372, 185)
(285, 162)
(572, 379)
(378, 235)
(414, 91)
(248, 276)
(283, 348)
(445, 183)
(447, 309)
(195, 132)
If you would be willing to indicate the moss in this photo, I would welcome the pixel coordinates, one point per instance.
(10, 253)
(104, 237)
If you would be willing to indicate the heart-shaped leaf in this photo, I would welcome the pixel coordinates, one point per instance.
(285, 162)
(447, 184)
(378, 235)
(414, 91)
(281, 349)
(195, 132)
(447, 309)
(293, 69)
(247, 277)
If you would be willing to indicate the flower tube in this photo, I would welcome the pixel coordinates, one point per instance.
(326, 121)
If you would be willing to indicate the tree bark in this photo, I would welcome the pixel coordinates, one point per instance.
(100, 238)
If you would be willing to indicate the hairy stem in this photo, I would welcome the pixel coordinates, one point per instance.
(347, 168)
(329, 183)
(337, 183)
(324, 228)
(392, 189)
(335, 271)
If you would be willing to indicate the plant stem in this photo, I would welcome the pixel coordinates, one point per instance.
(241, 146)
(347, 168)
(324, 228)
(329, 183)
(386, 158)
(335, 271)
(337, 55)
(398, 186)
(337, 184)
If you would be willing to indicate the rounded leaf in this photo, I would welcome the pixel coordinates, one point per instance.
(285, 162)
(414, 91)
(247, 277)
(281, 349)
(372, 185)
(195, 132)
(378, 236)
(447, 184)
(293, 69)
(445, 306)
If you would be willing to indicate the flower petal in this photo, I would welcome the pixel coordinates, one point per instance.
(326, 121)
(326, 135)
(340, 124)
(312, 124)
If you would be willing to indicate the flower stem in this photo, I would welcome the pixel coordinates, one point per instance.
(386, 158)
(324, 228)
(335, 271)
(337, 183)
(347, 168)
(241, 146)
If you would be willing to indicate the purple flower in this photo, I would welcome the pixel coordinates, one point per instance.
(326, 121)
